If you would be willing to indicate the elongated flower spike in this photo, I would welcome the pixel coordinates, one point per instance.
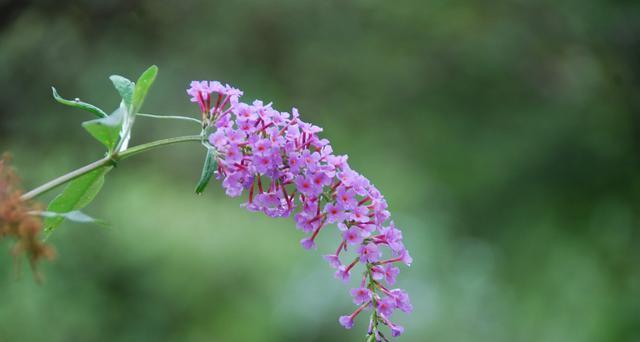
(289, 171)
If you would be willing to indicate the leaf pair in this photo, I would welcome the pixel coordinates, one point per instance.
(133, 95)
(113, 131)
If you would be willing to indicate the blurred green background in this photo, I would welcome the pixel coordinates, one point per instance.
(504, 134)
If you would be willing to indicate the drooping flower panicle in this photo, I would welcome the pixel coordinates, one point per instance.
(289, 171)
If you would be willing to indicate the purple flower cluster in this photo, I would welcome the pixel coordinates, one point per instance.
(288, 170)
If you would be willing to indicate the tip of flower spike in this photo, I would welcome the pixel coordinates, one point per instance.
(346, 322)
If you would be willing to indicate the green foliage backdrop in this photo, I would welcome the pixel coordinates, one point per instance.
(504, 134)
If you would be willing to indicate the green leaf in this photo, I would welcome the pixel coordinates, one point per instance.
(208, 169)
(74, 216)
(79, 104)
(78, 194)
(106, 130)
(142, 88)
(124, 87)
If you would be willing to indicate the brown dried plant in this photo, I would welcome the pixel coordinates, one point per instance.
(18, 219)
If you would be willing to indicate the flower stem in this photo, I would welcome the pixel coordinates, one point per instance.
(65, 178)
(147, 146)
(111, 159)
(175, 117)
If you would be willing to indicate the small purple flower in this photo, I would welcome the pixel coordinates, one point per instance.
(235, 136)
(333, 260)
(406, 258)
(246, 126)
(396, 330)
(262, 163)
(294, 162)
(303, 221)
(292, 132)
(386, 306)
(352, 236)
(393, 237)
(320, 179)
(306, 186)
(233, 185)
(262, 147)
(348, 177)
(403, 256)
(342, 273)
(390, 273)
(310, 159)
(217, 87)
(346, 321)
(369, 253)
(346, 198)
(334, 213)
(199, 92)
(234, 154)
(337, 161)
(360, 214)
(361, 295)
(218, 139)
(308, 243)
(377, 273)
(245, 112)
(402, 300)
